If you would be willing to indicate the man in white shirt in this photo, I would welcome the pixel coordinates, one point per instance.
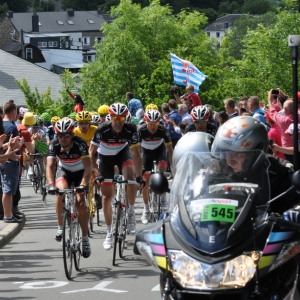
(183, 111)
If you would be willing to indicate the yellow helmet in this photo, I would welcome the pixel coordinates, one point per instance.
(54, 119)
(103, 109)
(151, 106)
(83, 116)
(93, 113)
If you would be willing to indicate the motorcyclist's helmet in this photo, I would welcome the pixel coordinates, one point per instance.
(240, 134)
(118, 109)
(200, 113)
(158, 183)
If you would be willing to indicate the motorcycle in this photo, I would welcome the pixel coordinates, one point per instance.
(222, 240)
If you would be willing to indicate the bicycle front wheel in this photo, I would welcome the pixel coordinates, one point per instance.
(123, 229)
(67, 244)
(153, 207)
(116, 230)
(78, 247)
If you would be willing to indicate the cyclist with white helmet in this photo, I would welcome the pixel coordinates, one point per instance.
(200, 119)
(117, 143)
(155, 140)
(74, 166)
(96, 120)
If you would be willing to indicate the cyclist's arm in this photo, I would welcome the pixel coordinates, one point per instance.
(87, 171)
(50, 170)
(137, 159)
(92, 151)
(170, 152)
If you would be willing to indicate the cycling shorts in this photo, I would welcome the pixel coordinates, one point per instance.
(107, 163)
(68, 176)
(159, 155)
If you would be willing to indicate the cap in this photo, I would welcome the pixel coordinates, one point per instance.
(29, 119)
(290, 129)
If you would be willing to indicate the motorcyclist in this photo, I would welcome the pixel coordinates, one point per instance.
(232, 144)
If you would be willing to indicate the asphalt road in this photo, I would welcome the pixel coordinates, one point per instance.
(31, 265)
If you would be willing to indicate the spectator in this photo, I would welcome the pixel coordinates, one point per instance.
(183, 111)
(222, 117)
(79, 104)
(229, 105)
(188, 102)
(10, 170)
(274, 134)
(257, 112)
(180, 128)
(196, 101)
(133, 104)
(171, 114)
(243, 105)
(283, 122)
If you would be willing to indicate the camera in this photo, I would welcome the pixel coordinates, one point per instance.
(271, 143)
(275, 92)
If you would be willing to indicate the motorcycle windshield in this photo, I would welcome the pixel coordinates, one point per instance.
(216, 202)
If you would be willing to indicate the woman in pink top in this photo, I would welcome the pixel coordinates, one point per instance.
(274, 134)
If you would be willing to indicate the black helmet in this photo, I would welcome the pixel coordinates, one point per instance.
(159, 183)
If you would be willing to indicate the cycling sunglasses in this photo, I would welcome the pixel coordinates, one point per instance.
(150, 124)
(200, 121)
(63, 135)
(118, 118)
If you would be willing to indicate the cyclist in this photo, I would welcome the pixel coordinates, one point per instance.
(74, 167)
(50, 133)
(103, 112)
(200, 117)
(155, 139)
(113, 140)
(84, 128)
(96, 120)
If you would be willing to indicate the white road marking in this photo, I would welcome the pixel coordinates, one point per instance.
(43, 285)
(156, 288)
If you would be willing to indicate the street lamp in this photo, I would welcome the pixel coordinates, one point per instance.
(294, 43)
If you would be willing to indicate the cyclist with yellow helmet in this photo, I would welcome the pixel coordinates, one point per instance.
(85, 129)
(50, 133)
(151, 106)
(103, 112)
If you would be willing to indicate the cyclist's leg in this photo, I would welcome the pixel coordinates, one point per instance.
(61, 182)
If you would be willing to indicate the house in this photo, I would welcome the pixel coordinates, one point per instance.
(25, 51)
(74, 32)
(218, 28)
(13, 67)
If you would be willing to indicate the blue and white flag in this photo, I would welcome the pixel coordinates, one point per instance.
(185, 73)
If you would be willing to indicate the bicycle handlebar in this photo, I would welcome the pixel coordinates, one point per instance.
(121, 181)
(34, 154)
(152, 172)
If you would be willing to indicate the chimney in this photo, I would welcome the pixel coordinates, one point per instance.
(70, 12)
(10, 14)
(35, 22)
(226, 25)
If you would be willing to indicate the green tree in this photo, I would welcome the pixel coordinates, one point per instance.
(43, 5)
(229, 7)
(82, 5)
(17, 5)
(256, 7)
(135, 54)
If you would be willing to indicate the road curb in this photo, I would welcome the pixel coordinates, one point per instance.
(10, 231)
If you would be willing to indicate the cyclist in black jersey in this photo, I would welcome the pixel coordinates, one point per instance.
(74, 167)
(117, 143)
(200, 116)
(155, 141)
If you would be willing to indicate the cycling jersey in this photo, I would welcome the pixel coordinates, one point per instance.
(50, 133)
(70, 160)
(86, 136)
(110, 142)
(151, 142)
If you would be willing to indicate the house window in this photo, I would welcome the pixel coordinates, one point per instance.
(70, 22)
(86, 40)
(218, 34)
(52, 44)
(42, 44)
(29, 53)
(98, 39)
(91, 21)
(87, 58)
(60, 22)
(208, 33)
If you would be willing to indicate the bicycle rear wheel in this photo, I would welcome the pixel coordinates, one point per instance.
(78, 247)
(67, 246)
(116, 230)
(123, 230)
(36, 177)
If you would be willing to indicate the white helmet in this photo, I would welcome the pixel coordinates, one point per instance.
(96, 119)
(200, 113)
(152, 115)
(118, 109)
(64, 125)
(128, 117)
(108, 118)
